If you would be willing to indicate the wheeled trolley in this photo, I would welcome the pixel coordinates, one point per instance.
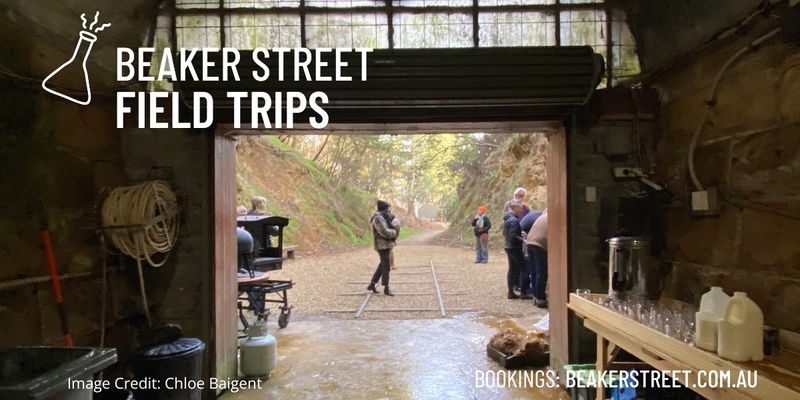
(253, 299)
(260, 247)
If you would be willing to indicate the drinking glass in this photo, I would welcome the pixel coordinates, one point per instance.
(688, 334)
(583, 292)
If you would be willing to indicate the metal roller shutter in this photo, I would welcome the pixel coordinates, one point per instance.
(428, 85)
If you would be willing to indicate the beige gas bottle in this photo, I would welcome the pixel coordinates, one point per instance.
(712, 309)
(741, 331)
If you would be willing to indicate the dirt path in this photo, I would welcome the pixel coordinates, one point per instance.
(420, 239)
(334, 285)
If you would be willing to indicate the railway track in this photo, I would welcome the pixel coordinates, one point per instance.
(430, 271)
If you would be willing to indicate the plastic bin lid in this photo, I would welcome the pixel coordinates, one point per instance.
(576, 367)
(179, 347)
(583, 372)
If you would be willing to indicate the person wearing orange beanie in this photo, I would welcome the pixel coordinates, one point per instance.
(481, 224)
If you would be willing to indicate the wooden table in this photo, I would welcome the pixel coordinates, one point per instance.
(778, 375)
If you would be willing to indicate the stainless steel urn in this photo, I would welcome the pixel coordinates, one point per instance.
(632, 271)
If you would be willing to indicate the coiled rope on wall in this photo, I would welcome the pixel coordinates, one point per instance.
(141, 221)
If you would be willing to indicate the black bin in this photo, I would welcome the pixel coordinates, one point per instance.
(113, 394)
(171, 370)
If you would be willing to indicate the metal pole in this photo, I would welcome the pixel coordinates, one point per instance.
(438, 291)
(364, 304)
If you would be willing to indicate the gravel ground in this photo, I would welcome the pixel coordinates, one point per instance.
(321, 282)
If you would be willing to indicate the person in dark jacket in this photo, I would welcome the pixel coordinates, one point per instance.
(384, 239)
(513, 247)
(481, 224)
(519, 195)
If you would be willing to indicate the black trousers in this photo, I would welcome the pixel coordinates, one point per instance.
(382, 272)
(516, 267)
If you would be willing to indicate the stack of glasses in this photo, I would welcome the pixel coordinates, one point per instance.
(674, 319)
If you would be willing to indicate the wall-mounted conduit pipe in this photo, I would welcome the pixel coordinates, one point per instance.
(710, 100)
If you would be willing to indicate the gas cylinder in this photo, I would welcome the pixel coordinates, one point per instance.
(258, 352)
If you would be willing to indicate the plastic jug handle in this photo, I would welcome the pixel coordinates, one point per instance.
(729, 311)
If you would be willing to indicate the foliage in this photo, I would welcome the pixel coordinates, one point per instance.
(324, 211)
(511, 161)
(409, 170)
(328, 185)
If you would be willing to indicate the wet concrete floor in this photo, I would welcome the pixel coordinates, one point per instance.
(396, 359)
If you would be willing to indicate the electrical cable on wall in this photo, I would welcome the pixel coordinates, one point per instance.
(141, 221)
(710, 100)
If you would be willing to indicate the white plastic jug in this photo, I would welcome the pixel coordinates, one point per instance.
(741, 331)
(712, 309)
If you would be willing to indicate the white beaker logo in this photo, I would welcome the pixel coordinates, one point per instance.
(86, 39)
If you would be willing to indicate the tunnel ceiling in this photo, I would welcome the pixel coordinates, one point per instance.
(663, 29)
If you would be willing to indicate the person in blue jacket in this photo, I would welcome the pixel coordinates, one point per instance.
(513, 246)
(528, 276)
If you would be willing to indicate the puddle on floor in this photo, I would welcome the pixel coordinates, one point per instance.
(396, 359)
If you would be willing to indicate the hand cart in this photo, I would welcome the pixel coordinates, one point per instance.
(254, 284)
(253, 298)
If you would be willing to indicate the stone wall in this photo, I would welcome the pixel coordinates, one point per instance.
(591, 168)
(181, 159)
(55, 159)
(666, 30)
(749, 149)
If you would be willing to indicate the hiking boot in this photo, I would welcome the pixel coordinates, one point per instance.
(372, 288)
(542, 304)
(387, 292)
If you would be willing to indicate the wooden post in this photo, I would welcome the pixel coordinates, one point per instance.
(558, 246)
(602, 365)
(224, 335)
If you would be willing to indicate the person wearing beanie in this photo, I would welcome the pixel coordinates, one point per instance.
(384, 237)
(481, 224)
(383, 206)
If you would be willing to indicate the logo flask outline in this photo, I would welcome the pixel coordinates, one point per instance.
(89, 38)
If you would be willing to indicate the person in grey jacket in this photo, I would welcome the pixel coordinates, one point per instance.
(384, 239)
